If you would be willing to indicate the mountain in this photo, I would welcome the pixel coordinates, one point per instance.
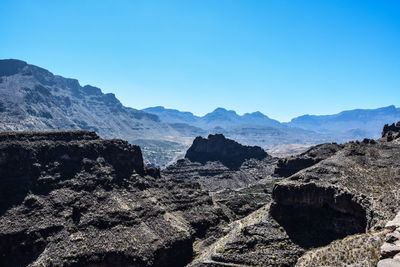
(32, 98)
(219, 118)
(351, 124)
(173, 115)
(342, 127)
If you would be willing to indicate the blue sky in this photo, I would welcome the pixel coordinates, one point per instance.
(283, 58)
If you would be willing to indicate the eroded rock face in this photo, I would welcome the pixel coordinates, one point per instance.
(218, 163)
(353, 191)
(72, 199)
(289, 166)
(214, 176)
(316, 215)
(218, 148)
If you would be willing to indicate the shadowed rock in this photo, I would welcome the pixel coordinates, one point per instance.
(218, 163)
(350, 192)
(218, 148)
(289, 166)
(72, 199)
(391, 132)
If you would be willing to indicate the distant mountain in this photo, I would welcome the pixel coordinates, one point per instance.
(219, 118)
(173, 115)
(341, 127)
(351, 124)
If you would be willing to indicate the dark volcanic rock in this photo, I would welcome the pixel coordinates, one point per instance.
(218, 148)
(214, 176)
(353, 191)
(72, 199)
(293, 164)
(256, 240)
(218, 163)
(391, 132)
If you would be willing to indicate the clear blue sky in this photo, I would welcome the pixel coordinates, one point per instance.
(283, 58)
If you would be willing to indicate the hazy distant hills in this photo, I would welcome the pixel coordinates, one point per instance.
(341, 127)
(32, 98)
(352, 124)
(220, 117)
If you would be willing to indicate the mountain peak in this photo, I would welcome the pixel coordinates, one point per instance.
(223, 110)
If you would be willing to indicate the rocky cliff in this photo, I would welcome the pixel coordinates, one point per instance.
(333, 211)
(218, 148)
(73, 199)
(290, 165)
(354, 191)
(218, 163)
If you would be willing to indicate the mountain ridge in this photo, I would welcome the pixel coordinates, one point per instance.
(367, 121)
(33, 98)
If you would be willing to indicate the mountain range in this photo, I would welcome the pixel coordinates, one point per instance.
(344, 126)
(32, 98)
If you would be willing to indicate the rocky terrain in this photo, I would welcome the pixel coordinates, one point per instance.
(72, 199)
(32, 98)
(390, 250)
(290, 165)
(218, 163)
(332, 212)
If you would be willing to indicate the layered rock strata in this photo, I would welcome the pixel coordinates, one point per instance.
(353, 191)
(290, 165)
(218, 163)
(73, 199)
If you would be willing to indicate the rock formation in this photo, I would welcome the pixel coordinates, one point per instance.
(390, 250)
(218, 148)
(289, 166)
(391, 132)
(348, 193)
(72, 199)
(218, 163)
(347, 197)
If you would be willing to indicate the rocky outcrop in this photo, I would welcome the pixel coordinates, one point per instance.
(218, 163)
(354, 250)
(353, 191)
(314, 215)
(391, 132)
(214, 176)
(217, 148)
(289, 166)
(390, 250)
(73, 199)
(256, 240)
